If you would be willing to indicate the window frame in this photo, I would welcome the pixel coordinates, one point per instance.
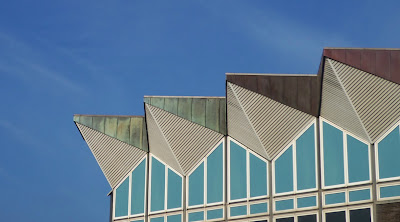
(166, 168)
(130, 192)
(345, 157)
(248, 151)
(382, 137)
(204, 160)
(294, 157)
(347, 196)
(378, 190)
(296, 215)
(347, 211)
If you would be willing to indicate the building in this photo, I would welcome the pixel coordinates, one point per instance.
(281, 148)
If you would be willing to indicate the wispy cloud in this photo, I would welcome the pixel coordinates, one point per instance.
(24, 61)
(18, 133)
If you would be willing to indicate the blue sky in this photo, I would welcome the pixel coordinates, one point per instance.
(58, 58)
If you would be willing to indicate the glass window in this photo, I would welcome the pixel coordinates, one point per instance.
(174, 218)
(358, 160)
(215, 214)
(196, 186)
(174, 197)
(305, 154)
(390, 191)
(359, 195)
(333, 155)
(138, 188)
(258, 176)
(259, 208)
(360, 215)
(137, 220)
(388, 153)
(121, 199)
(307, 218)
(284, 204)
(335, 216)
(215, 175)
(288, 219)
(196, 216)
(157, 219)
(157, 185)
(306, 202)
(238, 211)
(238, 185)
(335, 198)
(284, 172)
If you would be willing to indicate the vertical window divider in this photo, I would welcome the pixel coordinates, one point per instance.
(294, 149)
(248, 174)
(130, 193)
(205, 181)
(166, 188)
(346, 159)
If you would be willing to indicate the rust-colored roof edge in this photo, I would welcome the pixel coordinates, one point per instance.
(194, 97)
(269, 74)
(391, 49)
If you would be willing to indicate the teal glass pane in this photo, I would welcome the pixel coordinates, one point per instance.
(215, 214)
(157, 219)
(307, 202)
(333, 155)
(358, 195)
(196, 216)
(358, 160)
(215, 175)
(174, 190)
(238, 187)
(392, 191)
(284, 204)
(284, 172)
(258, 177)
(157, 185)
(259, 208)
(196, 186)
(174, 218)
(388, 155)
(122, 198)
(238, 211)
(138, 188)
(137, 220)
(335, 198)
(305, 160)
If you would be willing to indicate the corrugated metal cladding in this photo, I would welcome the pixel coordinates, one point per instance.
(128, 129)
(276, 124)
(376, 100)
(239, 126)
(336, 106)
(189, 141)
(158, 143)
(115, 158)
(209, 112)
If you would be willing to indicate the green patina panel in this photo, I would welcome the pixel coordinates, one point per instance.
(123, 129)
(185, 108)
(212, 114)
(199, 111)
(171, 105)
(136, 133)
(86, 120)
(157, 101)
(98, 123)
(222, 116)
(129, 129)
(110, 126)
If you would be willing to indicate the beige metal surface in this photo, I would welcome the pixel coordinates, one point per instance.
(376, 100)
(239, 126)
(188, 141)
(275, 124)
(115, 158)
(336, 106)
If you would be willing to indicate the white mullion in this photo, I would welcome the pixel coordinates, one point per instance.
(205, 182)
(248, 173)
(149, 188)
(228, 148)
(129, 194)
(294, 167)
(166, 188)
(346, 160)
(321, 145)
